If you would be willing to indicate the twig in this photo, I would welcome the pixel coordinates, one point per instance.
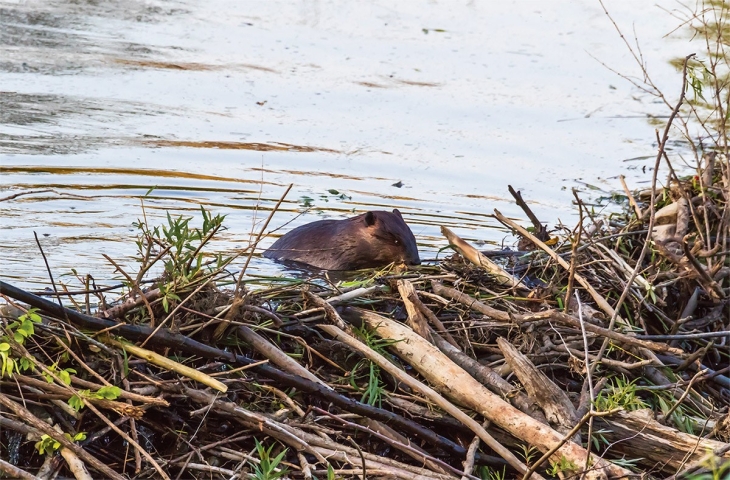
(598, 298)
(632, 200)
(39, 424)
(589, 377)
(679, 401)
(684, 336)
(468, 462)
(304, 464)
(14, 472)
(48, 268)
(166, 339)
(409, 450)
(362, 457)
(652, 215)
(573, 256)
(252, 247)
(566, 438)
(134, 286)
(539, 228)
(714, 287)
(430, 393)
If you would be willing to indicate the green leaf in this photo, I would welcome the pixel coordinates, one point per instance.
(110, 392)
(76, 403)
(65, 375)
(8, 366)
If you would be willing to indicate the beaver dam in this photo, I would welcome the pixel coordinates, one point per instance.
(600, 350)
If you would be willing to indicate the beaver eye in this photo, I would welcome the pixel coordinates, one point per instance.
(397, 242)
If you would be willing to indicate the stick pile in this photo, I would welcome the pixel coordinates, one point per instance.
(600, 351)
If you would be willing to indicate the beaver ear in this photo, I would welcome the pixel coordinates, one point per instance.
(397, 212)
(370, 219)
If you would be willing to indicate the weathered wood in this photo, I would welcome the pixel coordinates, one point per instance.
(638, 435)
(477, 258)
(491, 379)
(560, 412)
(457, 384)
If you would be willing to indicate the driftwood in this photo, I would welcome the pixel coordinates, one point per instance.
(559, 411)
(422, 388)
(459, 385)
(477, 258)
(639, 435)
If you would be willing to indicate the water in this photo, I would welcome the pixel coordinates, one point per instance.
(429, 107)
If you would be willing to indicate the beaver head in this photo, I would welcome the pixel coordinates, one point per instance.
(383, 238)
(373, 239)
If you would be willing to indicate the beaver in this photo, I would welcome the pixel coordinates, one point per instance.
(373, 239)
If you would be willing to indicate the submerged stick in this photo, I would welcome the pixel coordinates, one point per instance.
(539, 227)
(597, 297)
(477, 258)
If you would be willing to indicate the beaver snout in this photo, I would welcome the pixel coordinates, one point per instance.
(412, 260)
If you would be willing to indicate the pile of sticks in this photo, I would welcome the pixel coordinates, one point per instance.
(600, 351)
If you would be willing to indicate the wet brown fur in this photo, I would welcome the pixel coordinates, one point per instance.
(370, 240)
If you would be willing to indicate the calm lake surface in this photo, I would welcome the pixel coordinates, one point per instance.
(430, 107)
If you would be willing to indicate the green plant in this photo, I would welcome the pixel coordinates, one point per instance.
(358, 283)
(678, 416)
(373, 392)
(64, 375)
(307, 202)
(599, 440)
(528, 453)
(8, 363)
(104, 393)
(49, 445)
(180, 244)
(18, 331)
(266, 468)
(24, 327)
(562, 466)
(331, 472)
(167, 294)
(619, 393)
(487, 473)
(627, 462)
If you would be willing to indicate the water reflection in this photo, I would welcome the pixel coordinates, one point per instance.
(259, 147)
(111, 110)
(49, 124)
(61, 38)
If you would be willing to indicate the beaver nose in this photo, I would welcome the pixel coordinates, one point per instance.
(412, 260)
